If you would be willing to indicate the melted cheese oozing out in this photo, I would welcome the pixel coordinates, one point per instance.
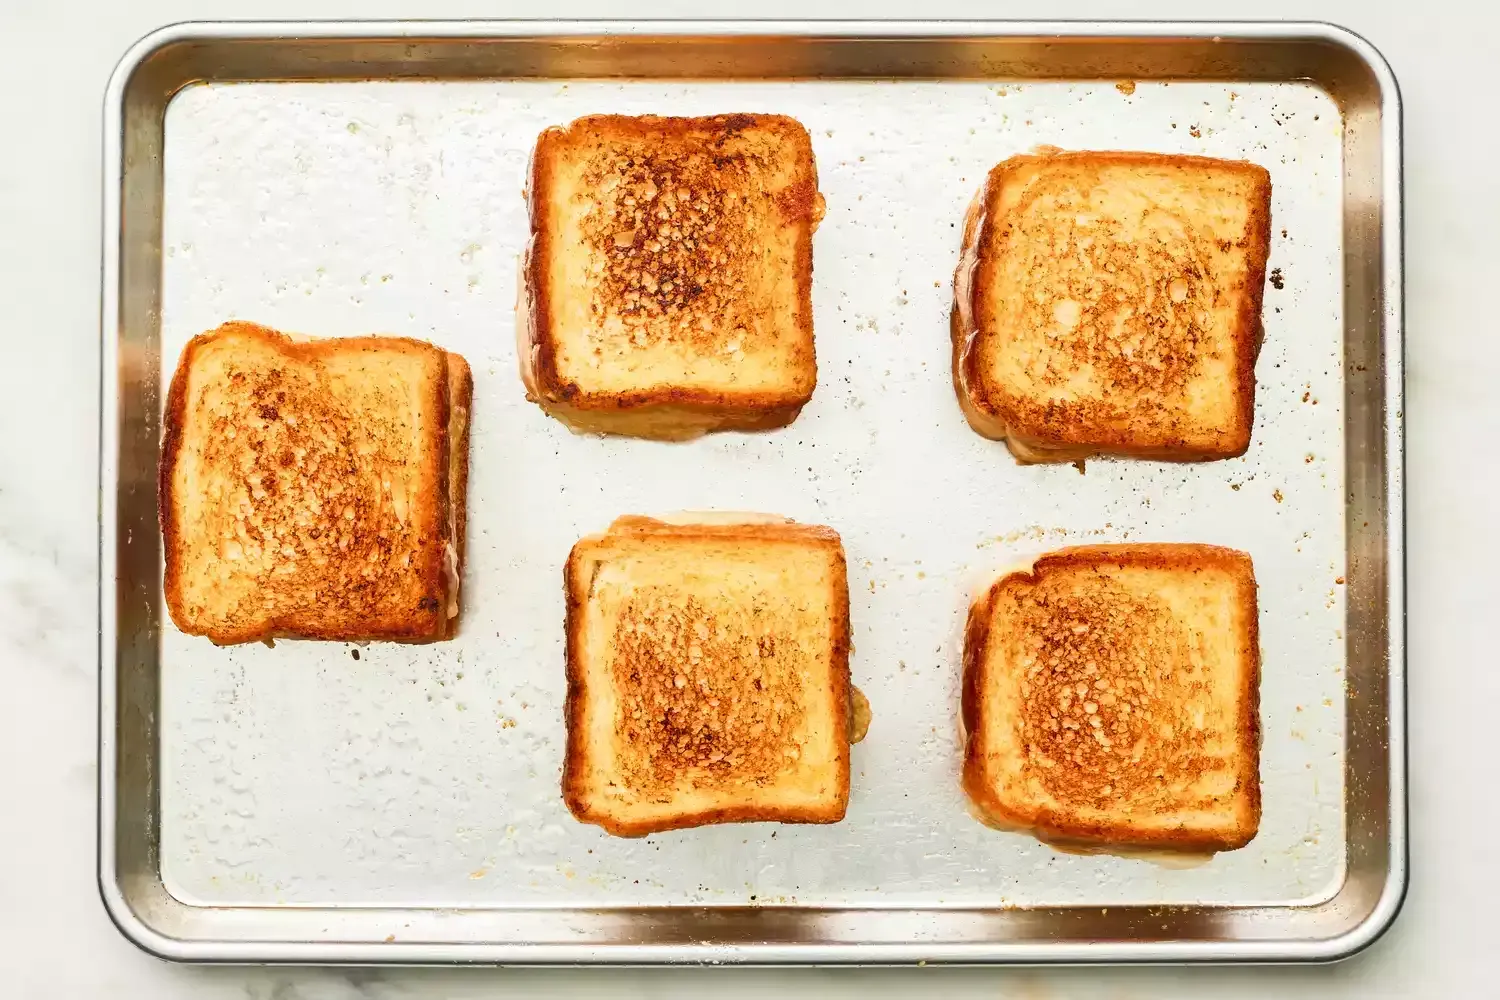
(1173, 860)
(859, 715)
(450, 570)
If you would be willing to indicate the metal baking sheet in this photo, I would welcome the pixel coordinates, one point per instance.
(401, 804)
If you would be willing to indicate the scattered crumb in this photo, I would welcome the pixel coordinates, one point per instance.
(1235, 487)
(1174, 124)
(1126, 87)
(1276, 279)
(1036, 533)
(389, 938)
(1339, 581)
(1308, 459)
(354, 653)
(1306, 396)
(1195, 132)
(1283, 234)
(1277, 495)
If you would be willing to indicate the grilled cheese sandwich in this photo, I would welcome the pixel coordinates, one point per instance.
(1109, 303)
(1111, 700)
(314, 488)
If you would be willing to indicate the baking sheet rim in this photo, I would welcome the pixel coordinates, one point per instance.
(1370, 928)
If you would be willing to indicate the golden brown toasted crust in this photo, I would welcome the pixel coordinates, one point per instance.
(460, 413)
(1092, 650)
(679, 659)
(1128, 298)
(304, 487)
(679, 242)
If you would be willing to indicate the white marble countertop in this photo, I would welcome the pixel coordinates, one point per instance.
(55, 940)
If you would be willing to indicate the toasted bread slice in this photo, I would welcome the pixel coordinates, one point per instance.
(667, 288)
(1111, 699)
(314, 488)
(1110, 303)
(708, 675)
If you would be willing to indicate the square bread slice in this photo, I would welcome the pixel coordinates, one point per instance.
(667, 288)
(314, 488)
(1110, 303)
(1111, 699)
(708, 674)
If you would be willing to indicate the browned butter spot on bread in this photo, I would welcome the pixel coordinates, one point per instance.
(1134, 310)
(674, 232)
(296, 496)
(1099, 664)
(699, 693)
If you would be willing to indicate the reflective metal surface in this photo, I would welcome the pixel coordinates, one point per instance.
(131, 650)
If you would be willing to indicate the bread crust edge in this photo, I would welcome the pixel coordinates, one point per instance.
(416, 627)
